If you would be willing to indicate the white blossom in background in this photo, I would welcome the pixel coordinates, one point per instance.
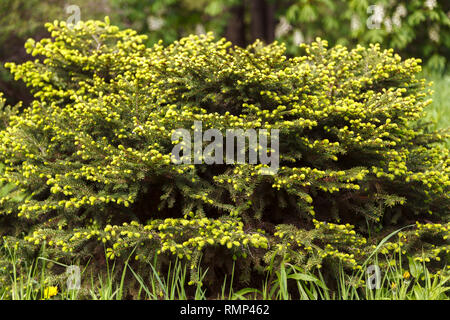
(400, 12)
(378, 14)
(154, 23)
(298, 37)
(282, 28)
(433, 33)
(430, 4)
(355, 23)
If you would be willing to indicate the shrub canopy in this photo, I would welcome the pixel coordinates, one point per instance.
(93, 150)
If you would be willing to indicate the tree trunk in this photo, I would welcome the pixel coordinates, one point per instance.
(262, 20)
(270, 22)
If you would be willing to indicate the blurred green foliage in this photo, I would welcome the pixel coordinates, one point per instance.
(416, 28)
(171, 19)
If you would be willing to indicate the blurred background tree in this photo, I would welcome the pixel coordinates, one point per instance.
(417, 28)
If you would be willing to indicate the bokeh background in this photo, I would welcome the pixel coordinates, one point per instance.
(414, 28)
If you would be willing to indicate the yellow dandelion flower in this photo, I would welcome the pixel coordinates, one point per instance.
(50, 292)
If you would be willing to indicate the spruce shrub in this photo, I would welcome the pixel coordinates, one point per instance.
(93, 153)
